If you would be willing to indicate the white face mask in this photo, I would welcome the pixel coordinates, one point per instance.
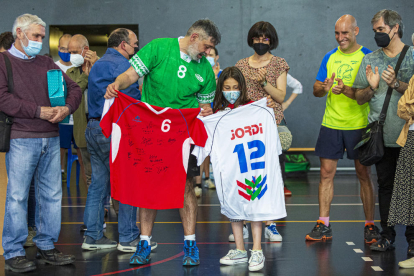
(76, 59)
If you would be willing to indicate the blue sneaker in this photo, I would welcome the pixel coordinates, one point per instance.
(142, 255)
(190, 253)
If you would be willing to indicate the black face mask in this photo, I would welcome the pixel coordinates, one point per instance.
(136, 49)
(261, 48)
(383, 39)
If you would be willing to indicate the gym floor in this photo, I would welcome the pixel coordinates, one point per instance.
(346, 254)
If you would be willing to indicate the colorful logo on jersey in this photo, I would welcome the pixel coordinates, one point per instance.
(137, 119)
(200, 78)
(253, 189)
(344, 72)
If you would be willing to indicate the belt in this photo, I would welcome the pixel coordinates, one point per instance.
(96, 119)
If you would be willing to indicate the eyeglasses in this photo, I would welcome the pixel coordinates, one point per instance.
(260, 39)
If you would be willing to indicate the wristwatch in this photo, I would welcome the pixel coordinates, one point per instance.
(264, 83)
(396, 84)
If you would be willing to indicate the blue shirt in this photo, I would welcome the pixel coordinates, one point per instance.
(104, 72)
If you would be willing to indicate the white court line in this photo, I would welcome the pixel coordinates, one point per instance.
(367, 259)
(217, 205)
(358, 251)
(377, 268)
(350, 243)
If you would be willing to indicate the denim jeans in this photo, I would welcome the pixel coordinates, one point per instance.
(27, 159)
(31, 208)
(99, 147)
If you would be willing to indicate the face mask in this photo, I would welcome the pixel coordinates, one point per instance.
(64, 56)
(211, 60)
(136, 49)
(231, 96)
(33, 48)
(76, 59)
(383, 39)
(261, 48)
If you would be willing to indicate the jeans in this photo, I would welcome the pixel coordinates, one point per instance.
(27, 159)
(99, 148)
(386, 168)
(31, 208)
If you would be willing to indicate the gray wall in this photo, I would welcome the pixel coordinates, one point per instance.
(305, 29)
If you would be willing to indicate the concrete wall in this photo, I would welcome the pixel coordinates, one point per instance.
(305, 29)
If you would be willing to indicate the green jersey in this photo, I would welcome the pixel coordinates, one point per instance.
(172, 79)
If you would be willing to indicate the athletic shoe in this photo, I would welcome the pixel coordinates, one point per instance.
(245, 234)
(407, 263)
(103, 243)
(272, 234)
(190, 253)
(371, 234)
(234, 257)
(209, 184)
(320, 232)
(31, 234)
(19, 264)
(410, 249)
(198, 191)
(142, 255)
(132, 246)
(382, 245)
(257, 260)
(287, 191)
(83, 227)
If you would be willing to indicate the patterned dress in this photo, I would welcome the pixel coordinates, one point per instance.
(275, 68)
(402, 201)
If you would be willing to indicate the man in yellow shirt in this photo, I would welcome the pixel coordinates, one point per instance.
(341, 127)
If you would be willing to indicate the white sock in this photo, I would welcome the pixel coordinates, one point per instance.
(146, 238)
(189, 238)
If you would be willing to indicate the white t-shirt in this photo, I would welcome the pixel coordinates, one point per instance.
(65, 68)
(244, 146)
(294, 84)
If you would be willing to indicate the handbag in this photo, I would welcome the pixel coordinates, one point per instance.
(285, 136)
(56, 86)
(6, 121)
(371, 146)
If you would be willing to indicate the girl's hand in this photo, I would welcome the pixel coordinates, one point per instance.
(270, 102)
(261, 75)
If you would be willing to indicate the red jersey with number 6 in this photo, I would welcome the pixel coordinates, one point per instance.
(150, 147)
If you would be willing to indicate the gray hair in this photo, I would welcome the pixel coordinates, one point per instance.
(391, 18)
(24, 21)
(206, 28)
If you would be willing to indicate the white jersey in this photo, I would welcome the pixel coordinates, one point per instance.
(244, 146)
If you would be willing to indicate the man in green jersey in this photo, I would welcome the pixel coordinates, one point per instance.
(177, 75)
(342, 126)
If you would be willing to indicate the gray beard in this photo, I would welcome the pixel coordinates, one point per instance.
(193, 51)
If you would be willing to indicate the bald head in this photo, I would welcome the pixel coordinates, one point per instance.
(78, 44)
(346, 30)
(348, 20)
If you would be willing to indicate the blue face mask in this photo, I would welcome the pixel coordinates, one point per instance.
(64, 56)
(231, 96)
(33, 48)
(211, 60)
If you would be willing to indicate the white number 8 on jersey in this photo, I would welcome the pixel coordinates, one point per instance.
(164, 126)
(181, 71)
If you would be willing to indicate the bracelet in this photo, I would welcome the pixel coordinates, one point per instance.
(374, 90)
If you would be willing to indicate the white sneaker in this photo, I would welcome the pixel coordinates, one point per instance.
(256, 261)
(245, 234)
(209, 184)
(271, 233)
(198, 191)
(234, 257)
(407, 263)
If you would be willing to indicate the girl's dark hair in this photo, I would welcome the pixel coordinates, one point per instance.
(220, 102)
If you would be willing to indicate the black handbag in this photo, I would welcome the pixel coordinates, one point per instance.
(6, 121)
(371, 147)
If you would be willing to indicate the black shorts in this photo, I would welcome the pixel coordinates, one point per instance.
(192, 170)
(332, 143)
